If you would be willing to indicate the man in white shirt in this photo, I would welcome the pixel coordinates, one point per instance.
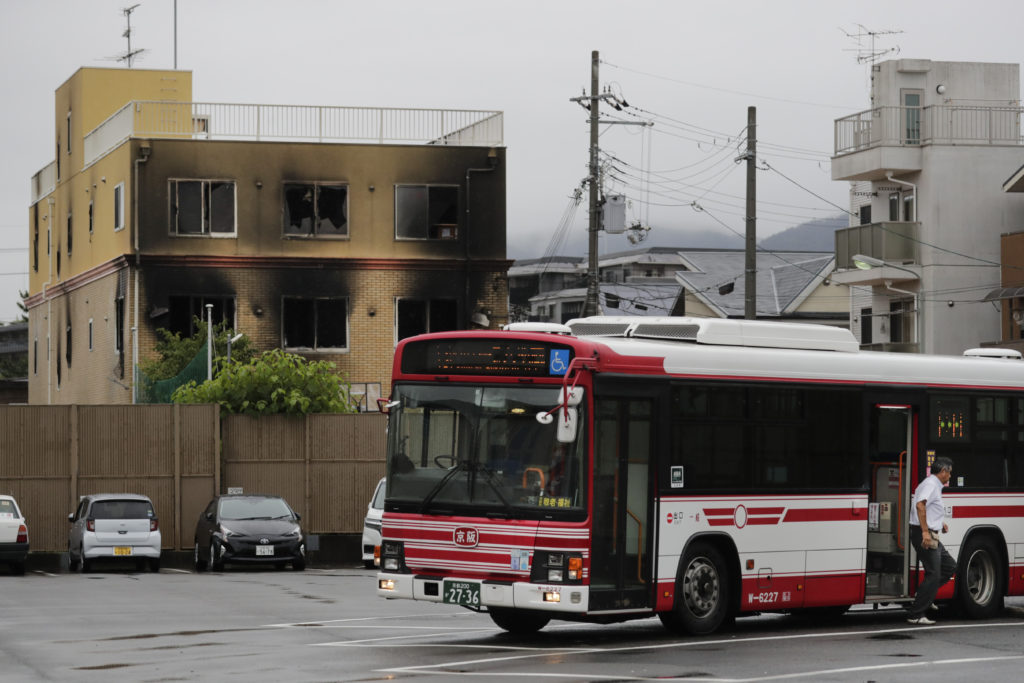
(929, 518)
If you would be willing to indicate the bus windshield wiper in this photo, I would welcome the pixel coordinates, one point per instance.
(490, 477)
(459, 466)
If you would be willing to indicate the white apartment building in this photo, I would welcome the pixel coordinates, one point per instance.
(926, 166)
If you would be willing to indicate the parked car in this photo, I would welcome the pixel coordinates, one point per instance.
(372, 523)
(119, 527)
(249, 529)
(13, 535)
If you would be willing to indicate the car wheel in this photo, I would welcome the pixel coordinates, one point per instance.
(72, 561)
(18, 568)
(198, 562)
(154, 565)
(369, 564)
(299, 565)
(84, 565)
(216, 564)
(702, 592)
(979, 579)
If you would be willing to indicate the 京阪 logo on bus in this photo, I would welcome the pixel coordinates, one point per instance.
(465, 537)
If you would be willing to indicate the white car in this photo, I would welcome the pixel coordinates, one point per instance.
(13, 536)
(372, 523)
(114, 526)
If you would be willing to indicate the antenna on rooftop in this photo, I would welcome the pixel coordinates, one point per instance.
(868, 53)
(130, 54)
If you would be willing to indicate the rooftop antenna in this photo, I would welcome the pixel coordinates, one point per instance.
(868, 53)
(130, 54)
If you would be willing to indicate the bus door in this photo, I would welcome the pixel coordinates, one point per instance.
(620, 562)
(892, 440)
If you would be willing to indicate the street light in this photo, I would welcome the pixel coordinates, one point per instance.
(231, 341)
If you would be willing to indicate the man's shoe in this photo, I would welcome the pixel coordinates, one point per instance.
(933, 607)
(921, 621)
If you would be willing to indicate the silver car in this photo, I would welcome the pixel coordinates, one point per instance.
(114, 526)
(372, 524)
(13, 535)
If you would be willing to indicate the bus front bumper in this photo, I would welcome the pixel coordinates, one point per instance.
(572, 598)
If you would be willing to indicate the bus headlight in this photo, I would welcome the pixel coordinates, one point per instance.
(392, 556)
(555, 575)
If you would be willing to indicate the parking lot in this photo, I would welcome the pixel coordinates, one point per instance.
(328, 625)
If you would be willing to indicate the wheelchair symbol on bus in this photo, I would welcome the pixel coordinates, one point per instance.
(559, 363)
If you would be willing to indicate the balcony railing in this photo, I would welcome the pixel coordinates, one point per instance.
(892, 242)
(44, 181)
(936, 124)
(271, 122)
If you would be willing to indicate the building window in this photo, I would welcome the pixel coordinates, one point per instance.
(865, 214)
(894, 206)
(419, 316)
(184, 309)
(35, 238)
(69, 233)
(35, 355)
(67, 345)
(865, 326)
(119, 324)
(90, 218)
(909, 210)
(426, 212)
(901, 318)
(314, 324)
(315, 209)
(69, 132)
(202, 207)
(90, 334)
(118, 207)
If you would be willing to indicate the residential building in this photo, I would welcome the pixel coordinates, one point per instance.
(925, 165)
(331, 232)
(662, 281)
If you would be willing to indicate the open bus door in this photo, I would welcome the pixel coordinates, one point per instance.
(892, 444)
(620, 563)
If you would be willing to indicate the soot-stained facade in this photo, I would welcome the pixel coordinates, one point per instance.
(332, 250)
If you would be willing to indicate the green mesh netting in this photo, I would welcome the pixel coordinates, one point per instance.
(160, 390)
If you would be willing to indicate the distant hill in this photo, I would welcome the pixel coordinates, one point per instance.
(817, 235)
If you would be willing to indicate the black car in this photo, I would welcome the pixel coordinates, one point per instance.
(249, 529)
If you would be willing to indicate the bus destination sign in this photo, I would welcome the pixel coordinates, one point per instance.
(513, 358)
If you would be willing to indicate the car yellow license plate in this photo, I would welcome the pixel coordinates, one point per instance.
(122, 550)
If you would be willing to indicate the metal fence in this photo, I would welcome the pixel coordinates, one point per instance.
(936, 124)
(324, 465)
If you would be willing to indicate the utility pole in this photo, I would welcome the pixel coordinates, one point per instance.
(750, 273)
(590, 304)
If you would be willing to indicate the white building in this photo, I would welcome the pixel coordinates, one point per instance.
(926, 165)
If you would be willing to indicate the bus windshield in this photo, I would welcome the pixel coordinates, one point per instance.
(480, 450)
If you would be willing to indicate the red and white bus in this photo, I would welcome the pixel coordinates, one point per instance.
(693, 469)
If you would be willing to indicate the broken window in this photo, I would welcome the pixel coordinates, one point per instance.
(315, 324)
(183, 309)
(118, 207)
(67, 350)
(418, 316)
(202, 207)
(35, 238)
(426, 212)
(69, 233)
(315, 209)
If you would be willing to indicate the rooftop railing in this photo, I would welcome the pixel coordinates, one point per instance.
(936, 124)
(290, 123)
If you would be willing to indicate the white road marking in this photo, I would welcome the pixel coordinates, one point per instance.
(40, 571)
(320, 622)
(176, 571)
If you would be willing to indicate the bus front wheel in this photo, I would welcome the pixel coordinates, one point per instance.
(518, 622)
(702, 592)
(979, 580)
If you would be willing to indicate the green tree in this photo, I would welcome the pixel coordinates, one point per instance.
(274, 382)
(175, 352)
(23, 315)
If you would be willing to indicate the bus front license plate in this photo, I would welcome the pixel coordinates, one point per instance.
(462, 593)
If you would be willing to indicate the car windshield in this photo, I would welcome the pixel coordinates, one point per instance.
(121, 509)
(378, 496)
(481, 450)
(8, 508)
(254, 508)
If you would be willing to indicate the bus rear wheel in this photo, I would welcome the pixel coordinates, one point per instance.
(979, 579)
(702, 592)
(518, 622)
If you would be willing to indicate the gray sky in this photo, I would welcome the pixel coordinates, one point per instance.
(693, 68)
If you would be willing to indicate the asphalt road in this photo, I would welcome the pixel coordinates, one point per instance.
(328, 625)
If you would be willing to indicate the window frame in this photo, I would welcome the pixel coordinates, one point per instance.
(119, 207)
(316, 348)
(456, 234)
(206, 206)
(429, 301)
(315, 185)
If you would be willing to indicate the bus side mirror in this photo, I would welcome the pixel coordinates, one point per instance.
(565, 432)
